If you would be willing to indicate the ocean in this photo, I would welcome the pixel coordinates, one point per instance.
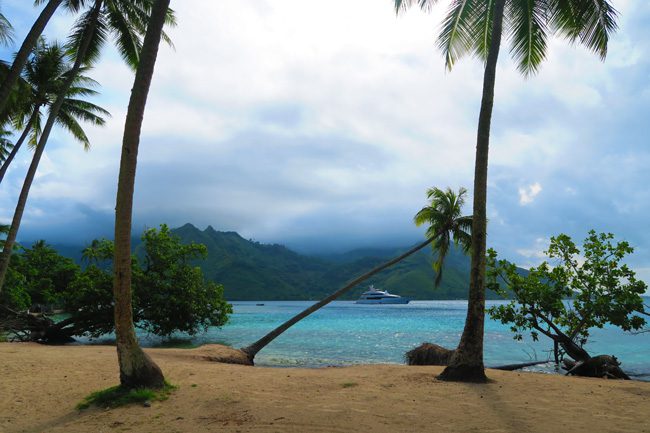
(345, 333)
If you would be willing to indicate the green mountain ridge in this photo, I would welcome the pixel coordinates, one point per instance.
(253, 271)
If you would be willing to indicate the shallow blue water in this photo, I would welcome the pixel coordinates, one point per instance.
(345, 333)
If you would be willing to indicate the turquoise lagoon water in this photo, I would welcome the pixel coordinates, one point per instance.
(345, 333)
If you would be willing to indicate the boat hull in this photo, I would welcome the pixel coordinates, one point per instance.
(384, 301)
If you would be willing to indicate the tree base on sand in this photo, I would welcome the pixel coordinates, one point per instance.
(231, 356)
(139, 371)
(464, 373)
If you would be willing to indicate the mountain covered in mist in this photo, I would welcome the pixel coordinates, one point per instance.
(253, 271)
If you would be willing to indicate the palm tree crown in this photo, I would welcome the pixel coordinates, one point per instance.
(443, 215)
(467, 27)
(125, 20)
(43, 78)
(45, 74)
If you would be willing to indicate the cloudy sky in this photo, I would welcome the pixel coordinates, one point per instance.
(321, 124)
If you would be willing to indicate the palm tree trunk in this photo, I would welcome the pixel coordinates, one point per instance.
(136, 367)
(252, 350)
(45, 135)
(23, 53)
(466, 364)
(18, 144)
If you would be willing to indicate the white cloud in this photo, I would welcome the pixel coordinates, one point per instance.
(330, 119)
(528, 194)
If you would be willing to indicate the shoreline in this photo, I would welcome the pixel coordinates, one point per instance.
(42, 385)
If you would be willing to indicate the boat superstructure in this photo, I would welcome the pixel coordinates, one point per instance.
(375, 296)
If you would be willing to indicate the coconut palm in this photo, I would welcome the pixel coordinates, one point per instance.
(446, 223)
(51, 71)
(127, 21)
(136, 367)
(443, 215)
(44, 75)
(477, 26)
(28, 45)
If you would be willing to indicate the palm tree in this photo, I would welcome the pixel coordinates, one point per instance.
(446, 223)
(51, 60)
(476, 26)
(137, 369)
(28, 45)
(127, 20)
(443, 215)
(44, 74)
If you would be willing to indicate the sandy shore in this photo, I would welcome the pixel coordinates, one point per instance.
(40, 386)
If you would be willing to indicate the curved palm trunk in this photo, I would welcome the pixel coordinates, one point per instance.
(136, 367)
(23, 53)
(17, 146)
(45, 135)
(252, 350)
(466, 363)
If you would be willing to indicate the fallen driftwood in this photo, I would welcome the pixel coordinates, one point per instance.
(37, 327)
(512, 367)
(607, 366)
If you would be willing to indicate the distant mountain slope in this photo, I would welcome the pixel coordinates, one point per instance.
(253, 271)
(250, 270)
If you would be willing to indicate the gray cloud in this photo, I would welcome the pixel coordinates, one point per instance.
(265, 121)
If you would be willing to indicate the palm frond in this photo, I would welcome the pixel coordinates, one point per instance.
(457, 35)
(6, 146)
(6, 31)
(483, 21)
(597, 19)
(35, 132)
(128, 32)
(527, 21)
(67, 121)
(443, 216)
(425, 5)
(97, 41)
(86, 111)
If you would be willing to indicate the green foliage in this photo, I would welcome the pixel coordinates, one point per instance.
(172, 294)
(47, 273)
(89, 300)
(37, 275)
(169, 293)
(118, 396)
(14, 294)
(580, 290)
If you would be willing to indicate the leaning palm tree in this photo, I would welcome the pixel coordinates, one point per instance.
(137, 369)
(443, 215)
(445, 222)
(68, 113)
(127, 21)
(476, 26)
(44, 74)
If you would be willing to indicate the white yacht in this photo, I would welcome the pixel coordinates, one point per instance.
(374, 296)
